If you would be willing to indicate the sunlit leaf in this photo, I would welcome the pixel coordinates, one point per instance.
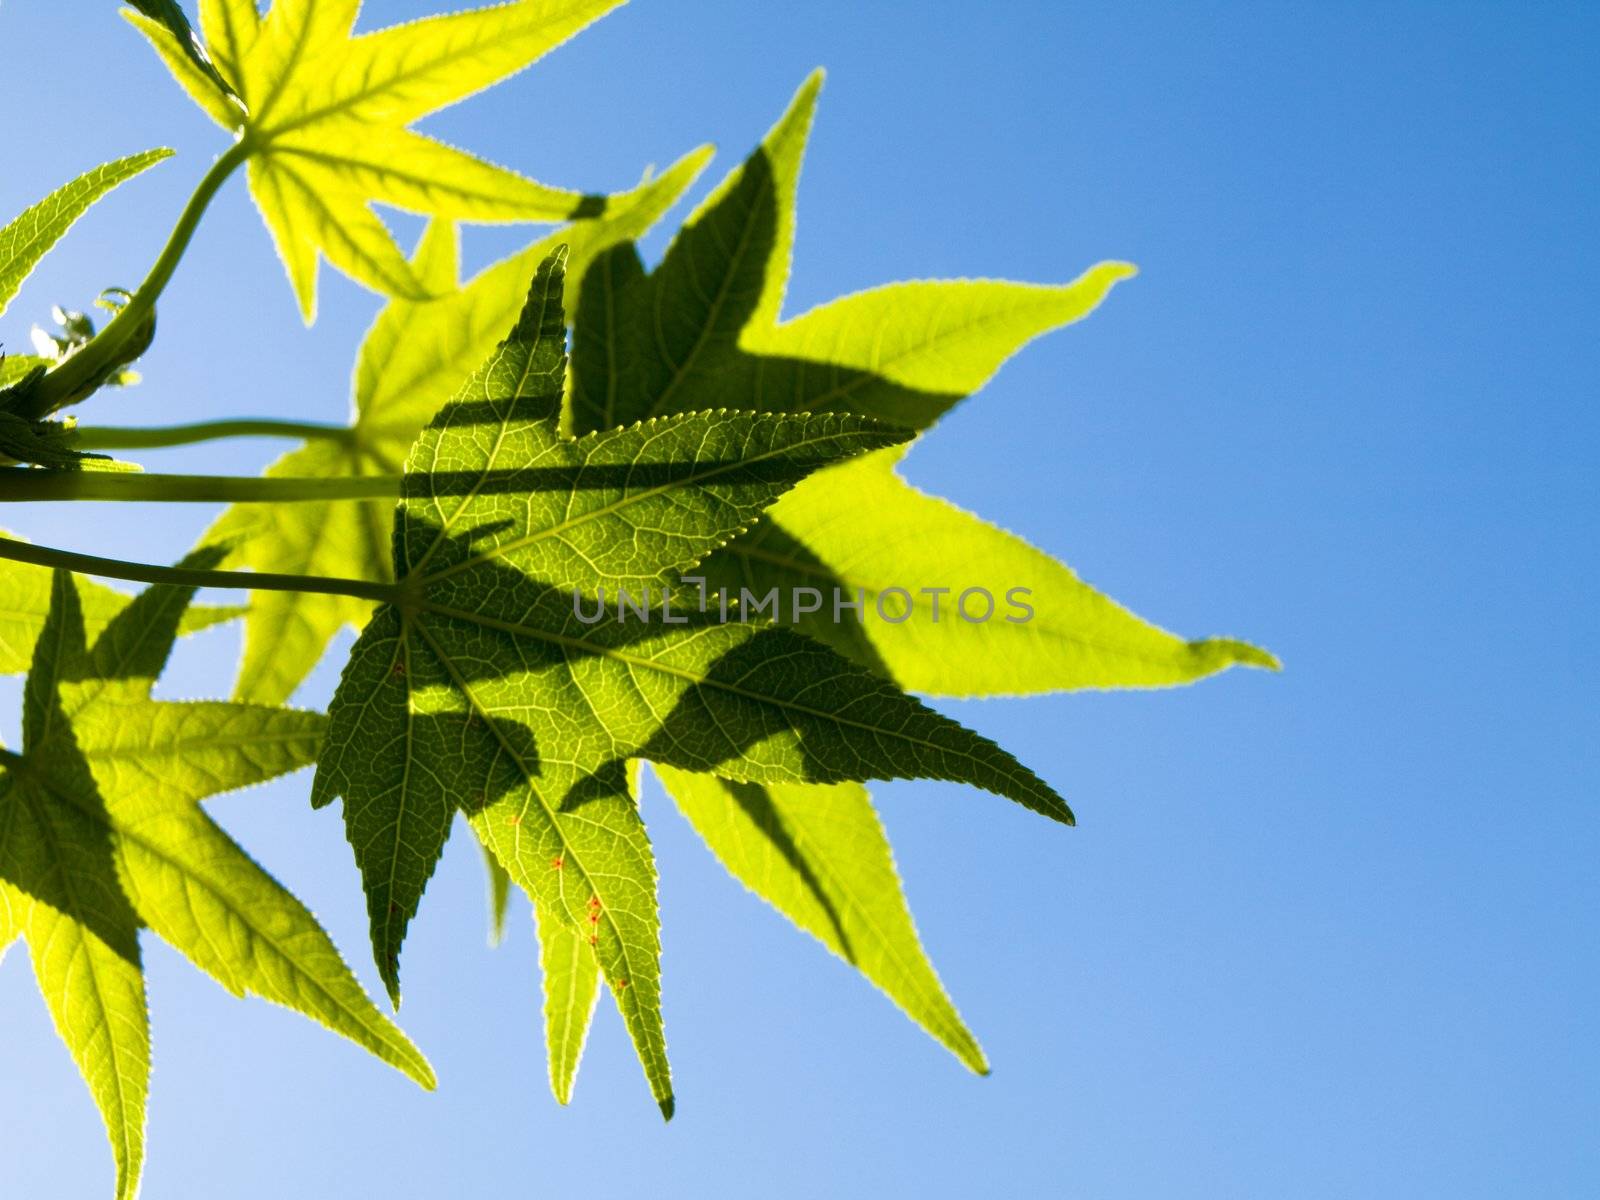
(480, 687)
(102, 834)
(704, 327)
(323, 115)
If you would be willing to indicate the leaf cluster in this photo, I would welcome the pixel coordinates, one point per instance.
(518, 455)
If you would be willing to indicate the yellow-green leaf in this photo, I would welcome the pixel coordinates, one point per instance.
(323, 117)
(102, 834)
(27, 239)
(481, 688)
(499, 894)
(203, 88)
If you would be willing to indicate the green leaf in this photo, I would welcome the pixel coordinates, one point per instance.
(101, 833)
(961, 609)
(29, 238)
(703, 328)
(412, 361)
(25, 592)
(480, 686)
(820, 857)
(324, 116)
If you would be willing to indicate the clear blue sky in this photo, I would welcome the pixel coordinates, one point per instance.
(1331, 933)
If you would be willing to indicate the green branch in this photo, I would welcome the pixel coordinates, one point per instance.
(83, 370)
(112, 437)
(115, 568)
(20, 484)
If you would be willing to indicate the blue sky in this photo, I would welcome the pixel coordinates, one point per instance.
(1329, 933)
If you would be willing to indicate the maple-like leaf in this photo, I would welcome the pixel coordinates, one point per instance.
(413, 359)
(14, 368)
(480, 688)
(167, 27)
(570, 976)
(323, 117)
(102, 834)
(706, 325)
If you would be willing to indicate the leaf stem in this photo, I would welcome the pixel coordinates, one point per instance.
(114, 437)
(115, 568)
(83, 368)
(20, 484)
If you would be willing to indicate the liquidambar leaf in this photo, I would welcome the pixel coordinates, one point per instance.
(101, 833)
(324, 119)
(413, 359)
(29, 238)
(705, 324)
(14, 368)
(481, 687)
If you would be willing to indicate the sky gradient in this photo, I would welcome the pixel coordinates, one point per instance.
(1329, 933)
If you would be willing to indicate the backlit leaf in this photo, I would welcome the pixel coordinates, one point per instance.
(571, 981)
(324, 117)
(479, 686)
(25, 604)
(102, 834)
